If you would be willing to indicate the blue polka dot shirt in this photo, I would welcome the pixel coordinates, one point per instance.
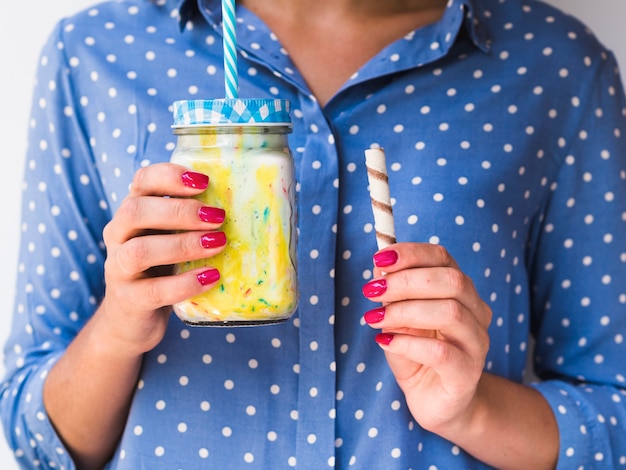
(504, 127)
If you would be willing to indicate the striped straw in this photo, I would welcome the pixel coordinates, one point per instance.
(231, 81)
(376, 164)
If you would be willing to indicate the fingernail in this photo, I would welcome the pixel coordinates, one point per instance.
(195, 180)
(208, 277)
(212, 214)
(385, 258)
(374, 316)
(384, 338)
(213, 239)
(375, 288)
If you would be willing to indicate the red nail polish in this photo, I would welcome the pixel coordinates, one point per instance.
(384, 338)
(213, 240)
(213, 215)
(375, 288)
(374, 316)
(385, 258)
(195, 180)
(208, 277)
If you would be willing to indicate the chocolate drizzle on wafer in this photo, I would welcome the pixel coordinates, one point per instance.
(375, 162)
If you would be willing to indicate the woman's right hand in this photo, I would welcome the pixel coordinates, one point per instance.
(157, 225)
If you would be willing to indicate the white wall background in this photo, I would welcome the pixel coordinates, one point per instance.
(24, 27)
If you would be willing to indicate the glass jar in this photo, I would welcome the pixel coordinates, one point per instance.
(242, 146)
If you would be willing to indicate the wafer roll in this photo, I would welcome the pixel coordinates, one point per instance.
(380, 196)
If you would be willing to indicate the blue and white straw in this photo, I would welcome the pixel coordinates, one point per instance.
(229, 22)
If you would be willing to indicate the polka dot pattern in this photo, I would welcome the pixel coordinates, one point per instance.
(504, 128)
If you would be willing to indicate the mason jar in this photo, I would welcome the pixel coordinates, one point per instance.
(242, 146)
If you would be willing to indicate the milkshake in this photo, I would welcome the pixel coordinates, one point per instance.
(242, 146)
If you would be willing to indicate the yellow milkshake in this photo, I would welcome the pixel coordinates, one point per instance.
(251, 175)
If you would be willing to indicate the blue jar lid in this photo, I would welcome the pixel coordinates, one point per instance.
(225, 112)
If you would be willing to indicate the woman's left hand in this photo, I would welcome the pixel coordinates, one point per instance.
(433, 332)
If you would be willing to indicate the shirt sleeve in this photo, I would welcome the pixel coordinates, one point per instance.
(578, 270)
(60, 275)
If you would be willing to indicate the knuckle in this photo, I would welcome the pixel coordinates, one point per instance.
(402, 281)
(139, 178)
(400, 312)
(131, 257)
(129, 209)
(180, 208)
(440, 351)
(107, 232)
(483, 344)
(486, 341)
(109, 269)
(186, 247)
(154, 294)
(488, 315)
(456, 280)
(443, 255)
(399, 315)
(453, 311)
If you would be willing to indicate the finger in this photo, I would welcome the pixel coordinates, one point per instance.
(402, 256)
(404, 352)
(429, 283)
(448, 318)
(167, 179)
(419, 283)
(151, 294)
(142, 253)
(138, 214)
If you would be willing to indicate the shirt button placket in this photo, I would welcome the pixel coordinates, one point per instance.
(318, 213)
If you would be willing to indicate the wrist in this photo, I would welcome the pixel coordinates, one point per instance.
(471, 424)
(507, 425)
(112, 339)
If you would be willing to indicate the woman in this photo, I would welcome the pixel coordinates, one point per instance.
(503, 124)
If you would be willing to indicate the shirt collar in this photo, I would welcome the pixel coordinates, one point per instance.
(474, 10)
(477, 29)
